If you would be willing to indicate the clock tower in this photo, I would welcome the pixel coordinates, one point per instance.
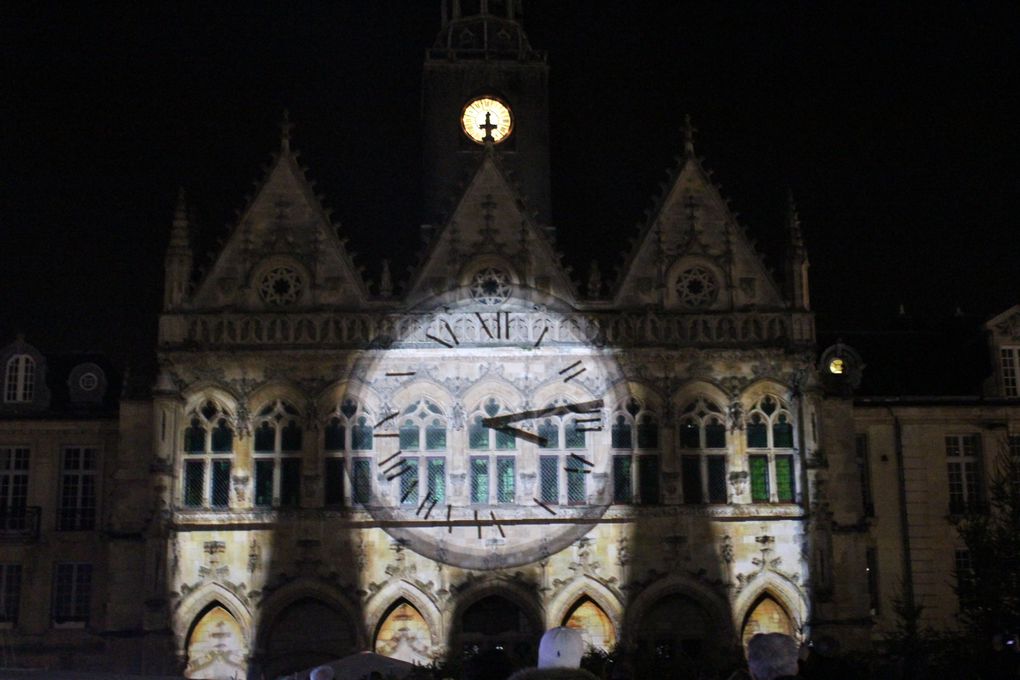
(483, 83)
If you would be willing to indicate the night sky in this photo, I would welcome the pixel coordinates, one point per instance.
(895, 126)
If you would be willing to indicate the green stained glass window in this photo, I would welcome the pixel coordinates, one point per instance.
(409, 436)
(549, 482)
(574, 437)
(478, 434)
(361, 483)
(479, 479)
(548, 430)
(505, 441)
(361, 435)
(648, 479)
(505, 479)
(264, 483)
(576, 487)
(622, 480)
(435, 436)
(784, 479)
(759, 479)
(409, 481)
(437, 479)
(194, 480)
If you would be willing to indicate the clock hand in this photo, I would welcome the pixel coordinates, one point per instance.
(524, 434)
(502, 421)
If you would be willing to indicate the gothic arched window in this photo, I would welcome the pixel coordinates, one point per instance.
(770, 431)
(703, 454)
(278, 439)
(632, 417)
(19, 379)
(423, 428)
(493, 478)
(564, 445)
(208, 451)
(347, 437)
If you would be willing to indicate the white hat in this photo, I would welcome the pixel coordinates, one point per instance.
(561, 648)
(322, 673)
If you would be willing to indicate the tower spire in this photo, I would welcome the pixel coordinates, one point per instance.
(179, 258)
(796, 258)
(285, 127)
(689, 131)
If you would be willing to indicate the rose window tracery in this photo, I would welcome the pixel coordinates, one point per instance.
(696, 287)
(490, 286)
(280, 286)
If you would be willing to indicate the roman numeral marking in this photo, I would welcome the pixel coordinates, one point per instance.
(410, 490)
(580, 470)
(570, 367)
(478, 525)
(485, 326)
(393, 374)
(390, 458)
(450, 331)
(525, 435)
(498, 525)
(389, 417)
(547, 508)
(386, 435)
(432, 505)
(539, 341)
(441, 342)
(449, 511)
(503, 329)
(401, 472)
(588, 420)
(574, 375)
(584, 461)
(588, 429)
(428, 497)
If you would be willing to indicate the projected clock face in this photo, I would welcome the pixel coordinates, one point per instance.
(488, 446)
(486, 117)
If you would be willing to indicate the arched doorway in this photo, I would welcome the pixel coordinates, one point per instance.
(216, 646)
(306, 633)
(403, 634)
(496, 622)
(674, 628)
(766, 616)
(596, 628)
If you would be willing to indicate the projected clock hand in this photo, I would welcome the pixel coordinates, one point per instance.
(498, 422)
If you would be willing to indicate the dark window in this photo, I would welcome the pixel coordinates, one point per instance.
(194, 437)
(409, 436)
(622, 480)
(437, 479)
(648, 479)
(757, 432)
(220, 492)
(716, 479)
(621, 433)
(549, 482)
(715, 435)
(573, 437)
(10, 592)
(505, 440)
(334, 482)
(963, 568)
(871, 564)
(435, 436)
(690, 471)
(576, 491)
(335, 436)
(478, 434)
(290, 438)
(361, 491)
(647, 433)
(864, 473)
(361, 435)
(194, 481)
(222, 438)
(72, 592)
(690, 435)
(265, 438)
(548, 431)
(759, 479)
(782, 433)
(290, 482)
(13, 486)
(264, 483)
(77, 511)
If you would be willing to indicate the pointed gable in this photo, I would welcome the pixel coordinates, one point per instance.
(284, 253)
(490, 229)
(693, 256)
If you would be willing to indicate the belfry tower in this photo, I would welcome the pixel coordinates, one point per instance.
(482, 63)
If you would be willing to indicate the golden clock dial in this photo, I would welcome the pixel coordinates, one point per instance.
(484, 117)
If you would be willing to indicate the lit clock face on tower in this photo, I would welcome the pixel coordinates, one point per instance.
(487, 117)
(482, 430)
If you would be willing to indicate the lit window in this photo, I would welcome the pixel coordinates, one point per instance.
(836, 367)
(962, 465)
(19, 384)
(208, 452)
(772, 468)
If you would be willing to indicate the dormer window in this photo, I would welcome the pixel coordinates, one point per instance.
(19, 385)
